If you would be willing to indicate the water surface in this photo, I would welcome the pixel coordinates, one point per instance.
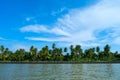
(59, 71)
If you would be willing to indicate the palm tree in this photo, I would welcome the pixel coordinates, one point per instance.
(53, 46)
(50, 52)
(73, 54)
(107, 50)
(2, 48)
(65, 49)
(44, 53)
(72, 51)
(6, 54)
(71, 47)
(97, 49)
(31, 50)
(78, 50)
(98, 52)
(34, 54)
(47, 52)
(19, 55)
(89, 53)
(59, 56)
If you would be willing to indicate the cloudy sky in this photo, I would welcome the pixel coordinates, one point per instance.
(42, 22)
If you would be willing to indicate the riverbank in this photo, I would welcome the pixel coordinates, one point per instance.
(59, 62)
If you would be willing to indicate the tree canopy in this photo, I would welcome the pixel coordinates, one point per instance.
(73, 53)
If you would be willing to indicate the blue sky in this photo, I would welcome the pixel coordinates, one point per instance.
(89, 23)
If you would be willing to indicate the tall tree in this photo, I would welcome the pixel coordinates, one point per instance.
(107, 50)
(65, 49)
(89, 53)
(72, 51)
(98, 52)
(97, 49)
(59, 56)
(53, 46)
(20, 55)
(31, 50)
(6, 54)
(71, 47)
(35, 54)
(2, 48)
(44, 53)
(78, 50)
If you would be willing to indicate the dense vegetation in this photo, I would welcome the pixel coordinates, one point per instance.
(56, 54)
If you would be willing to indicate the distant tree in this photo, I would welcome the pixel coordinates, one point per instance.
(71, 47)
(32, 50)
(97, 49)
(77, 48)
(44, 53)
(67, 57)
(20, 55)
(73, 54)
(6, 54)
(78, 51)
(35, 54)
(72, 51)
(2, 48)
(116, 53)
(57, 54)
(53, 45)
(50, 53)
(65, 49)
(89, 53)
(106, 50)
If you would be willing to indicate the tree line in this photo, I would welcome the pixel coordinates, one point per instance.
(73, 53)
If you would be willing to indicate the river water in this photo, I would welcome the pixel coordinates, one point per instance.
(59, 71)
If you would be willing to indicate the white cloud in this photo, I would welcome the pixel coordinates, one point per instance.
(29, 18)
(54, 13)
(42, 28)
(82, 25)
(59, 31)
(48, 39)
(34, 28)
(117, 40)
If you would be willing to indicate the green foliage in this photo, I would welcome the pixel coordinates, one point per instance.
(97, 49)
(56, 54)
(1, 48)
(106, 51)
(65, 49)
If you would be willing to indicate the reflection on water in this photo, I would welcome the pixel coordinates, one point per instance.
(59, 71)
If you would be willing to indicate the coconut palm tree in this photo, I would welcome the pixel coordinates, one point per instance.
(2, 48)
(106, 50)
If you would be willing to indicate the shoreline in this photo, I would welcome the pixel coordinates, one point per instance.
(59, 62)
